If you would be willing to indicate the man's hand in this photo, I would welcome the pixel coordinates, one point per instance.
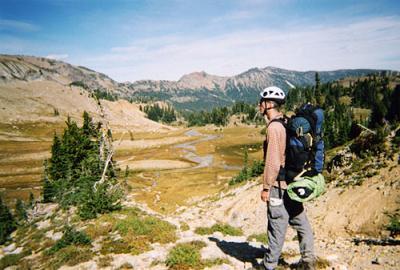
(265, 195)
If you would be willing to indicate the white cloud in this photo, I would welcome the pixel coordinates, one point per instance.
(372, 43)
(17, 26)
(57, 56)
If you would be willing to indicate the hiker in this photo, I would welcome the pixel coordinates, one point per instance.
(281, 209)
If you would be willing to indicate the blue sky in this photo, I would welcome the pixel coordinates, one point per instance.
(165, 39)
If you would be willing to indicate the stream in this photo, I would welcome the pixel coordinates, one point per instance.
(189, 149)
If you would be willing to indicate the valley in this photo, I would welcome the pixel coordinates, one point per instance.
(176, 178)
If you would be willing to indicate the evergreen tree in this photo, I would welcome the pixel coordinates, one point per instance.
(75, 166)
(20, 211)
(394, 108)
(317, 89)
(48, 187)
(31, 202)
(7, 222)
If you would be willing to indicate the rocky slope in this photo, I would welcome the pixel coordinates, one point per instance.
(39, 90)
(336, 221)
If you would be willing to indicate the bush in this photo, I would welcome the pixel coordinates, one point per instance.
(150, 228)
(70, 255)
(20, 211)
(225, 229)
(70, 237)
(256, 169)
(185, 256)
(394, 225)
(13, 259)
(102, 200)
(77, 162)
(7, 222)
(262, 237)
(79, 84)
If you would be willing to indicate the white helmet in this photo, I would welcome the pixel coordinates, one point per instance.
(273, 93)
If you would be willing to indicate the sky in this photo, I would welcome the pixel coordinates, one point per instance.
(132, 40)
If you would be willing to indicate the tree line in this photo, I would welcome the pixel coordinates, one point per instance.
(220, 116)
(340, 103)
(157, 113)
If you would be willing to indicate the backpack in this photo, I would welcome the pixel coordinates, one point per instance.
(305, 149)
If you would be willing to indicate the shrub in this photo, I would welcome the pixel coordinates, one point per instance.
(225, 229)
(20, 211)
(70, 255)
(394, 225)
(7, 222)
(152, 228)
(70, 237)
(13, 259)
(185, 256)
(262, 237)
(76, 165)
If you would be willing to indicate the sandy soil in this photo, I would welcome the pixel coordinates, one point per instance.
(155, 164)
(142, 143)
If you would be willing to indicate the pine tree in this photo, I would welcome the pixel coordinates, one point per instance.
(75, 166)
(31, 202)
(317, 89)
(48, 187)
(20, 211)
(394, 108)
(7, 222)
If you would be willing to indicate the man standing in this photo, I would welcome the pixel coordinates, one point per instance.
(281, 209)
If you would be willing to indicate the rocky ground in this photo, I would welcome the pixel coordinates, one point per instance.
(242, 208)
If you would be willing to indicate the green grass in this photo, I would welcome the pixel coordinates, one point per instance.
(321, 263)
(185, 256)
(184, 226)
(151, 228)
(225, 229)
(394, 225)
(13, 259)
(137, 230)
(70, 237)
(262, 237)
(70, 255)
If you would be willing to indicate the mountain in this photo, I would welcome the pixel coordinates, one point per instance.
(39, 92)
(200, 90)
(194, 91)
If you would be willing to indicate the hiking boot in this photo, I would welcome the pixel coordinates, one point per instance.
(302, 265)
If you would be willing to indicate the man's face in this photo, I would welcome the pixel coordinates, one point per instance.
(262, 106)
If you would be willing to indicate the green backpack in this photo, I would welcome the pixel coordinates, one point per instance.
(306, 188)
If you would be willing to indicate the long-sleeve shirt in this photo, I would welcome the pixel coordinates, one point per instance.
(275, 154)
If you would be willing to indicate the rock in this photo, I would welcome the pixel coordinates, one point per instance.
(332, 257)
(10, 248)
(218, 235)
(43, 224)
(44, 209)
(376, 261)
(14, 267)
(220, 267)
(247, 265)
(212, 252)
(54, 236)
(90, 265)
(17, 250)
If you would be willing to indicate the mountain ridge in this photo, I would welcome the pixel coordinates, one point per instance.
(193, 91)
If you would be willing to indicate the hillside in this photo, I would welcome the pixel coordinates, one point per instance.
(39, 90)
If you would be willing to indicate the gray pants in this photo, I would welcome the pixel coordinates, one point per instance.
(289, 212)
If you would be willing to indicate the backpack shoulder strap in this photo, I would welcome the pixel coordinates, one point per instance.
(283, 120)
